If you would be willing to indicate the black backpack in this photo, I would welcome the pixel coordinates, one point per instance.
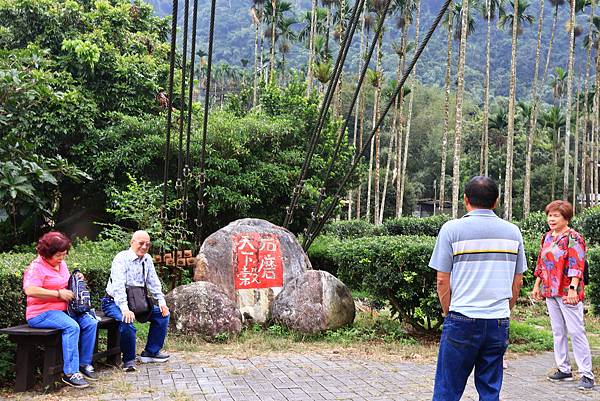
(81, 302)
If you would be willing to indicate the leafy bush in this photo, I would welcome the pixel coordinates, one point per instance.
(534, 226)
(592, 291)
(588, 224)
(346, 229)
(395, 269)
(429, 226)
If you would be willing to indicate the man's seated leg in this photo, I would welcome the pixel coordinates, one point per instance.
(459, 346)
(127, 331)
(156, 337)
(488, 367)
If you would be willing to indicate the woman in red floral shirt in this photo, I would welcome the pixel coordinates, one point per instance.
(559, 279)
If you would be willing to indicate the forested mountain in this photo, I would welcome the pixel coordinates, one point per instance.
(234, 37)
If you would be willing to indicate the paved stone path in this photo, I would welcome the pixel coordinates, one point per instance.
(299, 377)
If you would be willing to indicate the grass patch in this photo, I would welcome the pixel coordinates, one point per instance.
(375, 334)
(526, 338)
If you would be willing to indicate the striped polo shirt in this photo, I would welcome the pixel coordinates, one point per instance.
(482, 253)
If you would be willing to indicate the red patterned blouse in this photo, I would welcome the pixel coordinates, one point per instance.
(561, 258)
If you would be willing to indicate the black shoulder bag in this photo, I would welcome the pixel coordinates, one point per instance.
(138, 300)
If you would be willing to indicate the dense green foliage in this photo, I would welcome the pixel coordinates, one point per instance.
(82, 81)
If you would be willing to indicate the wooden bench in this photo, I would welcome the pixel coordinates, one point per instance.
(28, 339)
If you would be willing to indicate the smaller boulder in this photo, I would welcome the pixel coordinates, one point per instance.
(202, 308)
(313, 302)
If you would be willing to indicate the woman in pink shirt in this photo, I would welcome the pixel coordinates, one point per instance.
(45, 284)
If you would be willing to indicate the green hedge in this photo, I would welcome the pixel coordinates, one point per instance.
(346, 229)
(395, 269)
(92, 258)
(429, 226)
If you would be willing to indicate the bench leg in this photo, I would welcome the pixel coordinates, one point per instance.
(24, 381)
(113, 340)
(52, 364)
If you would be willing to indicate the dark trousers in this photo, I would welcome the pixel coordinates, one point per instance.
(468, 344)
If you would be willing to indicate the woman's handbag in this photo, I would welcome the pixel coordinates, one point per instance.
(138, 300)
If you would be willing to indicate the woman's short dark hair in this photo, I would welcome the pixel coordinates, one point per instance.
(481, 192)
(561, 206)
(51, 243)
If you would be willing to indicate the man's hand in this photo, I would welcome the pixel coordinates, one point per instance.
(128, 317)
(164, 310)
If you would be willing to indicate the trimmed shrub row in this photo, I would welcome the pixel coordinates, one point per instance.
(395, 269)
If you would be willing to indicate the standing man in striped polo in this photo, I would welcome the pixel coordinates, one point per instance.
(480, 262)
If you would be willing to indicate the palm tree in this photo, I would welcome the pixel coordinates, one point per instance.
(514, 20)
(554, 120)
(449, 24)
(256, 12)
(488, 9)
(570, 72)
(556, 4)
(462, 53)
(405, 10)
(558, 85)
(588, 43)
(311, 47)
(533, 119)
(410, 108)
(323, 70)
(375, 79)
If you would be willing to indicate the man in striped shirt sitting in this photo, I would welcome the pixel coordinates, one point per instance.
(480, 261)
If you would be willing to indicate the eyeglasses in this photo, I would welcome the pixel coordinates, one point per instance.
(144, 243)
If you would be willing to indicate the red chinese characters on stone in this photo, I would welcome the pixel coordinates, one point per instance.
(257, 258)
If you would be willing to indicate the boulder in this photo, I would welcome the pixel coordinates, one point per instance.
(251, 260)
(314, 302)
(202, 308)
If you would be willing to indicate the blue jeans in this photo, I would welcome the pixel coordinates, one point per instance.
(468, 343)
(156, 335)
(78, 336)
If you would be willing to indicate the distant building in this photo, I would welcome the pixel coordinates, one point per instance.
(428, 207)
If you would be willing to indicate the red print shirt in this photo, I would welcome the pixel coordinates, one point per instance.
(561, 258)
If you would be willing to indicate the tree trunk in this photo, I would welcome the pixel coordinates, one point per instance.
(570, 73)
(586, 188)
(400, 133)
(273, 26)
(256, 65)
(410, 110)
(360, 107)
(484, 153)
(444, 152)
(532, 118)
(376, 113)
(460, 87)
(311, 46)
(338, 104)
(595, 122)
(511, 116)
(550, 44)
(387, 174)
(576, 143)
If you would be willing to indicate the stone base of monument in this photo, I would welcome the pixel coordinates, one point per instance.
(203, 309)
(314, 302)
